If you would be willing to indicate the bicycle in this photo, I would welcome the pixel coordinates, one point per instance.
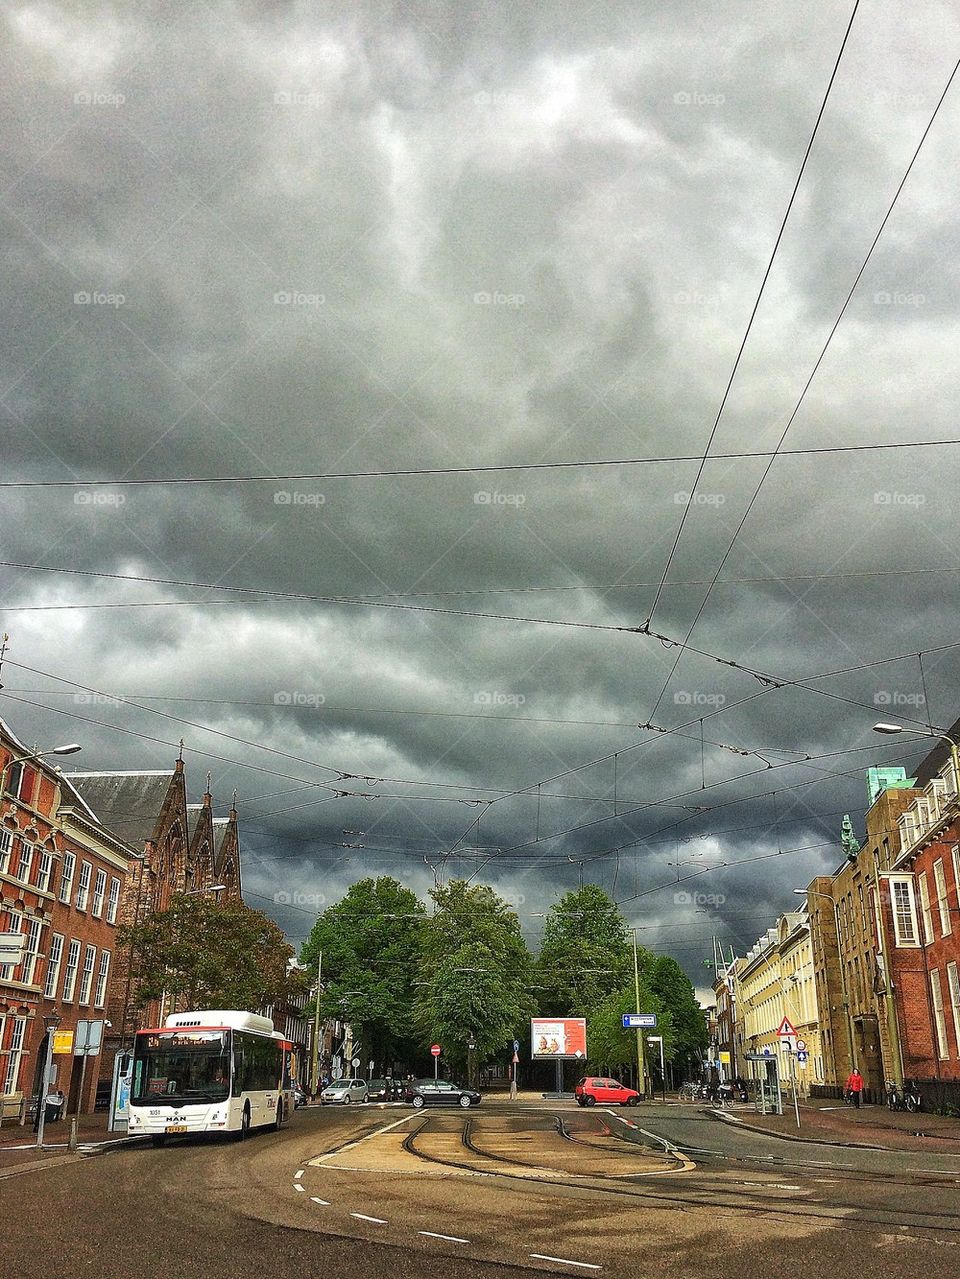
(909, 1099)
(690, 1092)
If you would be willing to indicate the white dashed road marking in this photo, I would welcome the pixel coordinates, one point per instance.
(297, 1186)
(298, 1174)
(377, 1221)
(564, 1261)
(431, 1234)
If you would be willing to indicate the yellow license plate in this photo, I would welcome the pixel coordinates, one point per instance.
(176, 1128)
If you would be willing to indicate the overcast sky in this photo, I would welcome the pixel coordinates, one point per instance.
(274, 239)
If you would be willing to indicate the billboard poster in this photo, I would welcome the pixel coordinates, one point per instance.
(558, 1037)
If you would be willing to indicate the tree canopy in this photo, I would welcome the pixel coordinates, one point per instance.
(210, 954)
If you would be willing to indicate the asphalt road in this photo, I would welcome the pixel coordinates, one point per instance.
(386, 1191)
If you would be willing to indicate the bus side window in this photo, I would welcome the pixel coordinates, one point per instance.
(239, 1072)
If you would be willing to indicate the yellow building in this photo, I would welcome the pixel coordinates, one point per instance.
(774, 981)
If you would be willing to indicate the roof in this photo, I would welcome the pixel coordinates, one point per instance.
(937, 759)
(128, 803)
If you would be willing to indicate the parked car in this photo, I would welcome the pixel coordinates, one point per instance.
(300, 1096)
(607, 1091)
(439, 1092)
(380, 1090)
(342, 1092)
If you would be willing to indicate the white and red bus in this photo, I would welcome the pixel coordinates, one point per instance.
(209, 1071)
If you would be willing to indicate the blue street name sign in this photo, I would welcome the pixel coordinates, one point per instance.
(634, 1021)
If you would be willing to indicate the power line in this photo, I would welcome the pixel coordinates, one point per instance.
(753, 313)
(494, 468)
(813, 373)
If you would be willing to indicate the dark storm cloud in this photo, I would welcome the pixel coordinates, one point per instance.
(264, 239)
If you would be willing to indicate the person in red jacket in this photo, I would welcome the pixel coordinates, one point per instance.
(855, 1086)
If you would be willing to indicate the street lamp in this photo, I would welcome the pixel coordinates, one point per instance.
(890, 730)
(810, 892)
(51, 1023)
(211, 888)
(70, 748)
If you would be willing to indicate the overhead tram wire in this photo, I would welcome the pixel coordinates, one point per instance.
(756, 306)
(806, 386)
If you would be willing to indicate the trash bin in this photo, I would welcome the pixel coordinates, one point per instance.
(52, 1112)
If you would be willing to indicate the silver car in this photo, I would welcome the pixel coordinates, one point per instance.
(343, 1092)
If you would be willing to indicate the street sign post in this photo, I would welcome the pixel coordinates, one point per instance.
(635, 1021)
(435, 1050)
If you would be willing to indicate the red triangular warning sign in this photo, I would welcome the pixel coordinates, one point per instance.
(787, 1030)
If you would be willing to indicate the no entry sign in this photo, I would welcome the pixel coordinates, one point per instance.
(435, 1049)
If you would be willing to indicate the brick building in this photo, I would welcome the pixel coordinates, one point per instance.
(181, 848)
(61, 875)
(919, 924)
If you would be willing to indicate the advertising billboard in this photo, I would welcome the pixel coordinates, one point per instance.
(558, 1037)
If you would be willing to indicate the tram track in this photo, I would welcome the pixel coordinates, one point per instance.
(848, 1216)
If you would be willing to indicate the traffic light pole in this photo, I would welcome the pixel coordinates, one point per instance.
(641, 1052)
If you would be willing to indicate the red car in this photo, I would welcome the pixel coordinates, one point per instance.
(607, 1091)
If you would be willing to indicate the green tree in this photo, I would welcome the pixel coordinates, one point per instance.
(210, 954)
(612, 1045)
(475, 976)
(585, 953)
(673, 988)
(372, 942)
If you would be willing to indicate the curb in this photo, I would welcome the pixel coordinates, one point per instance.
(807, 1141)
(36, 1164)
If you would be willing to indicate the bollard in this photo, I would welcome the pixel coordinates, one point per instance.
(73, 1132)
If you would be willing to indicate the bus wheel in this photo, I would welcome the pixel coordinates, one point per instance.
(278, 1121)
(158, 1141)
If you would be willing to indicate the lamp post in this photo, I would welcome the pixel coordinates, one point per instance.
(809, 892)
(71, 748)
(51, 1022)
(471, 1060)
(641, 1055)
(658, 1039)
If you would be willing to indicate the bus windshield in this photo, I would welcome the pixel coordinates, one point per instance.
(179, 1065)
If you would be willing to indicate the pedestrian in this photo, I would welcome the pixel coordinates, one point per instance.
(714, 1085)
(855, 1087)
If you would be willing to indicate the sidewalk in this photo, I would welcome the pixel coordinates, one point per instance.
(832, 1121)
(18, 1145)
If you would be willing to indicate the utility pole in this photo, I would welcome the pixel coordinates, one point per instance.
(315, 1072)
(641, 1052)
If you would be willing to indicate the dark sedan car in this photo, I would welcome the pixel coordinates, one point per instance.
(440, 1092)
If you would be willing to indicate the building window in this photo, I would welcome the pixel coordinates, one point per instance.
(99, 892)
(25, 861)
(45, 872)
(904, 912)
(83, 885)
(939, 1020)
(14, 1053)
(6, 841)
(53, 966)
(66, 878)
(15, 777)
(943, 907)
(928, 933)
(953, 982)
(113, 901)
(31, 951)
(100, 998)
(86, 981)
(70, 973)
(14, 924)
